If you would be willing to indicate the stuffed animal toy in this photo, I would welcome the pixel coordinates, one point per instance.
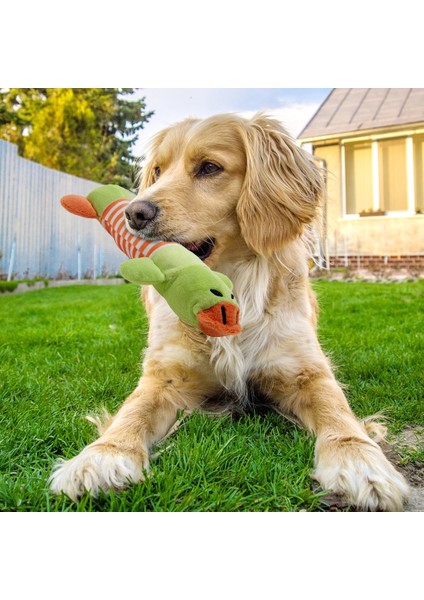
(199, 296)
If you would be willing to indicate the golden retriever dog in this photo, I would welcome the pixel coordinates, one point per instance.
(241, 195)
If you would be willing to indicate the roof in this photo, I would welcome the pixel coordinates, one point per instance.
(355, 109)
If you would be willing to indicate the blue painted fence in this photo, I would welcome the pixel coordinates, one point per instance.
(37, 236)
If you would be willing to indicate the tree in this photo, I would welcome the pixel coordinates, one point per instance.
(87, 132)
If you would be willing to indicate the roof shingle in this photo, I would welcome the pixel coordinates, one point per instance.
(355, 109)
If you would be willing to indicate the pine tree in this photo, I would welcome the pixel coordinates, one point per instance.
(87, 132)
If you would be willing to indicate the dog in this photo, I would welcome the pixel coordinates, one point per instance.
(242, 195)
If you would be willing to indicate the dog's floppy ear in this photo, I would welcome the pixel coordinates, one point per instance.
(282, 186)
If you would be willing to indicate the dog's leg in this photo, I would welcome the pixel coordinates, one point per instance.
(120, 455)
(347, 460)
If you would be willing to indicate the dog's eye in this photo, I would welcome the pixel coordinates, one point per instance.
(208, 168)
(157, 172)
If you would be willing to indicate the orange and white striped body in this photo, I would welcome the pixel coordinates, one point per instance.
(113, 220)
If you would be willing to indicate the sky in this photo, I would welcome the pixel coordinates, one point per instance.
(292, 106)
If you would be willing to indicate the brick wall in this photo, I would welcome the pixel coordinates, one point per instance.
(377, 263)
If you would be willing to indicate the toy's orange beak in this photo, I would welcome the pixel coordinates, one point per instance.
(219, 320)
(78, 205)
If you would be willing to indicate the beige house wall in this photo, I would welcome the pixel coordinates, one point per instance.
(384, 236)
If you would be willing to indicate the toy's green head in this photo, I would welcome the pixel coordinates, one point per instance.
(216, 309)
(201, 288)
(200, 297)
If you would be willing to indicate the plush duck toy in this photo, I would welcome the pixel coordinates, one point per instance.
(199, 296)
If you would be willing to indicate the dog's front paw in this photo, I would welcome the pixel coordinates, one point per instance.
(97, 467)
(358, 470)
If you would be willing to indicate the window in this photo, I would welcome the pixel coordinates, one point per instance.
(383, 175)
(392, 175)
(358, 166)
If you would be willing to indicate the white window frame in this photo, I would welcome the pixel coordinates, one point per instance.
(410, 173)
(375, 169)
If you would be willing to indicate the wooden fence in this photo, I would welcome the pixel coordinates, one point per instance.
(38, 238)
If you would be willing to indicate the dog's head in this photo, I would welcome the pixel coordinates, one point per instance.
(208, 182)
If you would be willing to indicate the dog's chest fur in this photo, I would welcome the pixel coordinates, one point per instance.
(277, 326)
(234, 358)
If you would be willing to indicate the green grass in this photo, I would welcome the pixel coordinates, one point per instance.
(66, 352)
(375, 335)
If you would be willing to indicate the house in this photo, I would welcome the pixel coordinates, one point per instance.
(371, 144)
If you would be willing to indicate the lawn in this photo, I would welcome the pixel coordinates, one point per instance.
(66, 352)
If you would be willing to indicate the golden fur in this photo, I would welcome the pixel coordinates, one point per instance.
(257, 208)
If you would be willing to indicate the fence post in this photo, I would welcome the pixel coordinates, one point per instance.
(100, 261)
(95, 261)
(79, 260)
(12, 259)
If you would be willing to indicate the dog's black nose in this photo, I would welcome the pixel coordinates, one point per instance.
(139, 213)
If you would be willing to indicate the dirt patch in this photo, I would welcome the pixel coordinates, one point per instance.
(410, 439)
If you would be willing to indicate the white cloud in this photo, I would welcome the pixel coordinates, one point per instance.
(294, 117)
(293, 108)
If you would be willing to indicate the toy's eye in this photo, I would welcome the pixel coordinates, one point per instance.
(157, 172)
(216, 293)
